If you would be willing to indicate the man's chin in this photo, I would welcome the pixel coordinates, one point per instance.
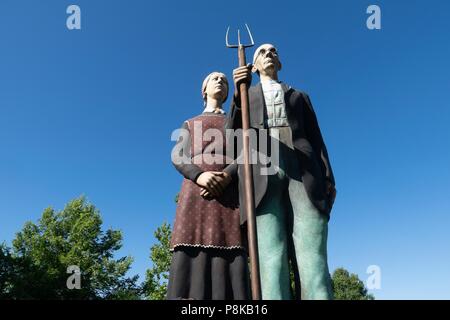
(269, 68)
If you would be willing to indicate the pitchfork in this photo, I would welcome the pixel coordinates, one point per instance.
(248, 178)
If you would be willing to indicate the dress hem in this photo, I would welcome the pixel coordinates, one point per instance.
(205, 246)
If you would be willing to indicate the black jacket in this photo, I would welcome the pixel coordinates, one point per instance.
(307, 141)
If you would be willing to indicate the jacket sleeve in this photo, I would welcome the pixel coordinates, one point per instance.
(234, 120)
(231, 169)
(181, 155)
(315, 137)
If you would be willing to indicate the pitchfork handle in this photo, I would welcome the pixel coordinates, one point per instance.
(248, 181)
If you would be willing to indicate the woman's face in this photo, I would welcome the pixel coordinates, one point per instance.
(217, 87)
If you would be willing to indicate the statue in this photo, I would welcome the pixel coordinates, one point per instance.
(209, 258)
(292, 206)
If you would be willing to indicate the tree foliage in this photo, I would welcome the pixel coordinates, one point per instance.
(7, 271)
(155, 286)
(42, 252)
(348, 286)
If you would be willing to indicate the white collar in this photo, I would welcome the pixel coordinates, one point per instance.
(209, 108)
(270, 82)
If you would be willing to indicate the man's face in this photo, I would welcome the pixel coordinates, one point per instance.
(267, 60)
(217, 87)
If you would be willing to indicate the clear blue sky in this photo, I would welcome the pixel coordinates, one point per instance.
(91, 112)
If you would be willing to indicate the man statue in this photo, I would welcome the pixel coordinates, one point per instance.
(293, 205)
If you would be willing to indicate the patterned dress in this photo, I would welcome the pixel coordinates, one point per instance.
(209, 257)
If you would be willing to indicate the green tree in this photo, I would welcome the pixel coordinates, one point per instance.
(155, 286)
(6, 271)
(42, 253)
(348, 286)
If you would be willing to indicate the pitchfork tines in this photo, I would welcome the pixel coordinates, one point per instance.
(239, 39)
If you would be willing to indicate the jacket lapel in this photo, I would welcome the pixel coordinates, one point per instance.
(260, 102)
(285, 88)
(287, 102)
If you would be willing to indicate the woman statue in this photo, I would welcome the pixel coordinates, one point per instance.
(209, 259)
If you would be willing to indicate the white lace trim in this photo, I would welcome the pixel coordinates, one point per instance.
(205, 246)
